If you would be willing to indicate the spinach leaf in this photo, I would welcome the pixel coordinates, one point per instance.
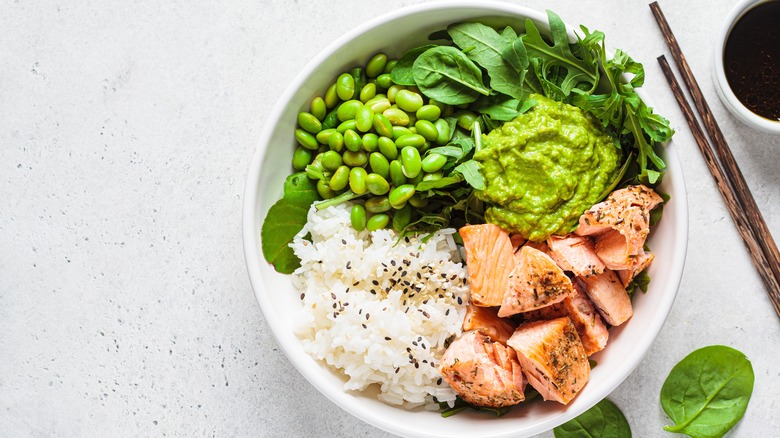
(445, 74)
(603, 420)
(488, 50)
(402, 72)
(707, 393)
(501, 107)
(285, 219)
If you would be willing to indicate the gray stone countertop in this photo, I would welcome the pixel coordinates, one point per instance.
(126, 133)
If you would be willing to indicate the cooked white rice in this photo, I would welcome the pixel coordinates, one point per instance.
(377, 309)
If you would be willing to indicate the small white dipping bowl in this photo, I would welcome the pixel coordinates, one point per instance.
(727, 96)
(393, 33)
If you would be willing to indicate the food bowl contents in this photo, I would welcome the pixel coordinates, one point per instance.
(751, 59)
(532, 156)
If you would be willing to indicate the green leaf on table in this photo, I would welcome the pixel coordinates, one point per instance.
(402, 72)
(707, 393)
(284, 220)
(446, 74)
(605, 420)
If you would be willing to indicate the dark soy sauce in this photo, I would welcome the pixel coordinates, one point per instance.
(752, 59)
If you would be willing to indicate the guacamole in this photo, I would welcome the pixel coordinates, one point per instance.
(545, 168)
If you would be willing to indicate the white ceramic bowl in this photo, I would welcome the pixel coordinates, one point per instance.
(409, 28)
(722, 84)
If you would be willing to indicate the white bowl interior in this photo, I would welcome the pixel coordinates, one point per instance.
(725, 93)
(278, 299)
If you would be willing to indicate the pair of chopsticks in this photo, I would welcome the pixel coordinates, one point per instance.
(720, 161)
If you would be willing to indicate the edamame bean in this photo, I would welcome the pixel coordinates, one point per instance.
(348, 109)
(352, 140)
(393, 91)
(301, 158)
(417, 179)
(358, 217)
(340, 179)
(306, 139)
(376, 65)
(370, 142)
(382, 125)
(433, 162)
(377, 222)
(379, 164)
(408, 100)
(415, 140)
(427, 129)
(396, 116)
(399, 195)
(417, 201)
(466, 119)
(309, 122)
(368, 92)
(324, 135)
(402, 218)
(446, 110)
(364, 119)
(400, 131)
(443, 128)
(324, 189)
(387, 147)
(376, 184)
(355, 159)
(347, 124)
(397, 173)
(336, 141)
(410, 161)
(318, 108)
(384, 80)
(379, 105)
(331, 160)
(345, 86)
(378, 204)
(433, 176)
(331, 96)
(357, 180)
(390, 65)
(428, 112)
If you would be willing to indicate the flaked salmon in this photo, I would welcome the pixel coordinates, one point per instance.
(552, 357)
(536, 281)
(482, 372)
(608, 294)
(575, 254)
(490, 260)
(486, 321)
(641, 262)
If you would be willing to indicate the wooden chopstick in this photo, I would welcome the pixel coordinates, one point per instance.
(741, 220)
(755, 221)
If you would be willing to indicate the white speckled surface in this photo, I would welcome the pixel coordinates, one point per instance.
(126, 131)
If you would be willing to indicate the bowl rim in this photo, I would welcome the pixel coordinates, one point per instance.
(251, 222)
(722, 87)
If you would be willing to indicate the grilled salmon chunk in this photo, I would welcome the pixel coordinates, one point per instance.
(552, 357)
(482, 372)
(536, 281)
(486, 321)
(575, 254)
(489, 260)
(608, 294)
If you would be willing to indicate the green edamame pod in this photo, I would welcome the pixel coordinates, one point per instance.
(427, 129)
(387, 147)
(318, 108)
(368, 92)
(345, 86)
(379, 164)
(378, 204)
(402, 218)
(364, 119)
(428, 112)
(306, 139)
(352, 140)
(355, 159)
(376, 65)
(382, 125)
(331, 119)
(370, 142)
(360, 79)
(309, 122)
(377, 222)
(348, 109)
(331, 97)
(331, 160)
(301, 158)
(358, 217)
(433, 162)
(408, 100)
(336, 141)
(376, 184)
(410, 161)
(340, 179)
(397, 173)
(357, 180)
(399, 195)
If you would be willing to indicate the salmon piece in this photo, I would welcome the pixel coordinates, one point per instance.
(541, 246)
(576, 254)
(608, 294)
(627, 212)
(517, 241)
(590, 327)
(483, 373)
(486, 321)
(640, 263)
(490, 260)
(552, 357)
(536, 281)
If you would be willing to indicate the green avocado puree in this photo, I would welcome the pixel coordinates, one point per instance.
(545, 168)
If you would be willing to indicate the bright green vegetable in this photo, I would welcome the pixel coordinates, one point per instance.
(402, 218)
(348, 109)
(370, 142)
(377, 184)
(379, 204)
(355, 159)
(379, 164)
(309, 122)
(345, 86)
(396, 116)
(376, 65)
(324, 190)
(368, 92)
(357, 180)
(408, 100)
(402, 72)
(396, 173)
(358, 217)
(352, 140)
(306, 139)
(382, 125)
(427, 129)
(377, 222)
(399, 195)
(331, 97)
(331, 160)
(433, 162)
(301, 158)
(707, 393)
(410, 161)
(387, 147)
(428, 112)
(447, 75)
(364, 119)
(415, 140)
(340, 179)
(604, 420)
(336, 141)
(318, 108)
(384, 80)
(345, 125)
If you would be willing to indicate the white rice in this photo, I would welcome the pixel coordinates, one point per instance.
(361, 316)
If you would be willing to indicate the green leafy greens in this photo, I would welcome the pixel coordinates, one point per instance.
(707, 393)
(605, 420)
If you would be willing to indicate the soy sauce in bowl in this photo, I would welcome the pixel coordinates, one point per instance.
(751, 59)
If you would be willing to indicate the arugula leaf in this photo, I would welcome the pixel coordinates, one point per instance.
(284, 220)
(605, 420)
(446, 74)
(470, 171)
(402, 72)
(707, 393)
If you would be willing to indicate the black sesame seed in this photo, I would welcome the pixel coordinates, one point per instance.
(303, 295)
(375, 283)
(387, 338)
(416, 365)
(364, 326)
(460, 300)
(367, 316)
(438, 382)
(332, 295)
